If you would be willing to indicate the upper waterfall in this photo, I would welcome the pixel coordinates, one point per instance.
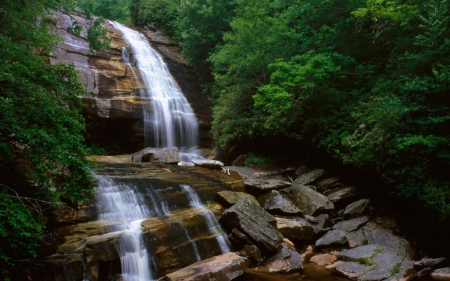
(169, 120)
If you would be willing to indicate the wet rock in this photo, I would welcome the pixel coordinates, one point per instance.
(351, 225)
(285, 261)
(157, 155)
(356, 209)
(309, 177)
(323, 259)
(239, 239)
(428, 262)
(279, 202)
(327, 183)
(258, 172)
(262, 185)
(307, 253)
(295, 229)
(252, 253)
(255, 223)
(342, 195)
(332, 238)
(221, 268)
(232, 197)
(441, 274)
(309, 201)
(212, 164)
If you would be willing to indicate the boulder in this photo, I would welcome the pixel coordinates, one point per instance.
(239, 239)
(263, 185)
(309, 201)
(285, 261)
(279, 201)
(232, 197)
(386, 238)
(220, 268)
(342, 195)
(255, 223)
(212, 164)
(252, 253)
(351, 225)
(382, 262)
(295, 229)
(323, 259)
(327, 183)
(356, 238)
(332, 238)
(441, 274)
(352, 270)
(323, 225)
(157, 155)
(356, 209)
(310, 177)
(428, 262)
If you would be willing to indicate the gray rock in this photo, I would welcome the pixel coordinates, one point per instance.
(352, 270)
(386, 238)
(279, 201)
(356, 238)
(351, 225)
(332, 238)
(212, 164)
(356, 209)
(441, 274)
(383, 262)
(157, 155)
(262, 185)
(255, 223)
(221, 268)
(309, 177)
(311, 219)
(424, 272)
(295, 229)
(427, 262)
(310, 201)
(323, 225)
(341, 195)
(327, 183)
(285, 261)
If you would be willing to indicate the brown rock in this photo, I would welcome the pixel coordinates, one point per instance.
(285, 261)
(323, 260)
(220, 268)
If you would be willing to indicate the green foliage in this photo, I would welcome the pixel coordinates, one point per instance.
(396, 269)
(255, 159)
(161, 13)
(118, 10)
(96, 36)
(41, 143)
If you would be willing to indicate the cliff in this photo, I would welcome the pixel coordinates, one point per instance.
(113, 110)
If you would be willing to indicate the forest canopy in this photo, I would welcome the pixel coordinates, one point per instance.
(367, 80)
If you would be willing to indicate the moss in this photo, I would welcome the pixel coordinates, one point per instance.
(396, 269)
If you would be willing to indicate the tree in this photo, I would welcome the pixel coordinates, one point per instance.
(41, 143)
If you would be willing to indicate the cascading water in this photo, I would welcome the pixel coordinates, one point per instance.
(169, 120)
(213, 225)
(121, 204)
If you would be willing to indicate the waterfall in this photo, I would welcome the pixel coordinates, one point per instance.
(169, 120)
(213, 225)
(119, 203)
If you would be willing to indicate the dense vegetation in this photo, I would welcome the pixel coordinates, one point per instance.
(42, 146)
(366, 80)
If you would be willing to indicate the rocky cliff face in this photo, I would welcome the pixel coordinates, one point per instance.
(113, 107)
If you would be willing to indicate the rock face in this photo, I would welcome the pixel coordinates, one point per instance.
(221, 268)
(255, 223)
(114, 108)
(310, 201)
